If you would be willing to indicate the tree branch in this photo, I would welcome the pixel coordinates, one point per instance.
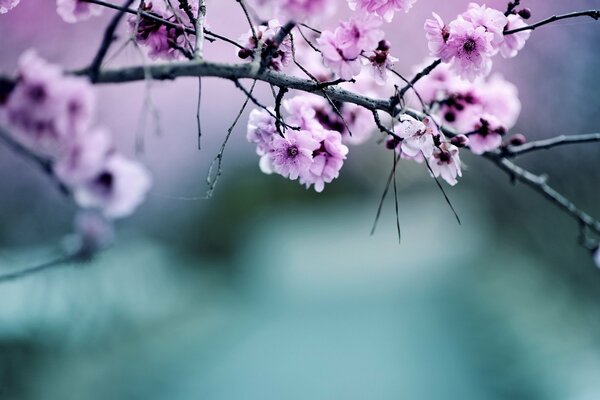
(595, 14)
(546, 144)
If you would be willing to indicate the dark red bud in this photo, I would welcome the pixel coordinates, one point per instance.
(384, 45)
(517, 140)
(459, 141)
(525, 13)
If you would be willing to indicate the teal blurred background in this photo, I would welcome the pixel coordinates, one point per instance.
(268, 291)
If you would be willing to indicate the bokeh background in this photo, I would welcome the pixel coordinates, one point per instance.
(269, 291)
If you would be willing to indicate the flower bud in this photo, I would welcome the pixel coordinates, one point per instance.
(517, 140)
(459, 141)
(525, 13)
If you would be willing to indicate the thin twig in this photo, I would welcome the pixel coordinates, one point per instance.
(109, 37)
(426, 71)
(546, 144)
(595, 14)
(62, 261)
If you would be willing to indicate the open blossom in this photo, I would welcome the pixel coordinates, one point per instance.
(116, 190)
(46, 111)
(85, 158)
(445, 162)
(281, 54)
(380, 61)
(327, 160)
(161, 42)
(7, 5)
(492, 20)
(382, 8)
(469, 49)
(358, 35)
(261, 129)
(344, 63)
(487, 136)
(76, 10)
(437, 34)
(292, 156)
(514, 42)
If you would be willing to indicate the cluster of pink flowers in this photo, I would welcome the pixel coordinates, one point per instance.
(382, 8)
(51, 114)
(280, 54)
(484, 109)
(354, 43)
(469, 42)
(161, 41)
(307, 151)
(422, 141)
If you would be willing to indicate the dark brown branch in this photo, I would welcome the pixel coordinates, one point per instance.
(595, 14)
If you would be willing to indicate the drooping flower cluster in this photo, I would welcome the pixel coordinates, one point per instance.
(469, 42)
(422, 141)
(161, 41)
(354, 43)
(307, 151)
(382, 8)
(51, 115)
(280, 54)
(484, 109)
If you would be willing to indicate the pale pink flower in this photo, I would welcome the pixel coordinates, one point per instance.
(72, 11)
(85, 159)
(7, 5)
(445, 162)
(358, 35)
(417, 138)
(281, 55)
(500, 98)
(488, 134)
(46, 111)
(327, 160)
(382, 8)
(380, 62)
(117, 190)
(514, 42)
(359, 120)
(342, 63)
(437, 34)
(492, 20)
(291, 156)
(261, 129)
(468, 49)
(302, 112)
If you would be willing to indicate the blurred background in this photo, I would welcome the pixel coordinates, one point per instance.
(270, 291)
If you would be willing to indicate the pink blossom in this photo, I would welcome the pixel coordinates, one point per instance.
(514, 42)
(7, 5)
(302, 112)
(445, 162)
(344, 64)
(261, 129)
(500, 98)
(492, 20)
(437, 35)
(380, 61)
(360, 122)
(72, 11)
(468, 49)
(488, 134)
(358, 35)
(291, 156)
(382, 8)
(281, 55)
(417, 138)
(85, 159)
(46, 111)
(117, 190)
(327, 160)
